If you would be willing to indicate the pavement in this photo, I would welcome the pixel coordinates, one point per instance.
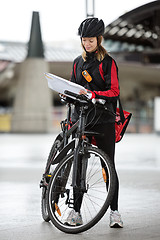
(22, 160)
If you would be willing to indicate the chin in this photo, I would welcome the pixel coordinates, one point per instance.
(89, 50)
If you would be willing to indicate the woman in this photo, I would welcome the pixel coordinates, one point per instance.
(101, 84)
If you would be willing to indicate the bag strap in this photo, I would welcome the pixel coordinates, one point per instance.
(121, 111)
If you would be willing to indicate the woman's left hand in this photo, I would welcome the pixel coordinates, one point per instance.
(84, 92)
(90, 94)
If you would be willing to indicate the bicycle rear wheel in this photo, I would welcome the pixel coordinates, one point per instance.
(99, 183)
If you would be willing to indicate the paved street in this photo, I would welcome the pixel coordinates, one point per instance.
(22, 160)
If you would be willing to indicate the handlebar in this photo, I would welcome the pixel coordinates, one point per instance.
(83, 98)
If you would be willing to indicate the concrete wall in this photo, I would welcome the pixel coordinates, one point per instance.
(33, 100)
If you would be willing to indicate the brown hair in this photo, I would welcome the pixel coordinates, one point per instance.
(101, 51)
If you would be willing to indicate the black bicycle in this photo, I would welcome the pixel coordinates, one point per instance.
(84, 177)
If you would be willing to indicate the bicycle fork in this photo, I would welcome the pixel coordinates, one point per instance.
(80, 161)
(79, 167)
(75, 163)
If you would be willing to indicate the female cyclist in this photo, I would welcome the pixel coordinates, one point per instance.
(97, 71)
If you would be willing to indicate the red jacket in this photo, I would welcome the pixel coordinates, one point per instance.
(104, 75)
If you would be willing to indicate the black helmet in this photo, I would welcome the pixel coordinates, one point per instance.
(91, 27)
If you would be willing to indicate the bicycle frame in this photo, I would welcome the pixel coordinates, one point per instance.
(80, 139)
(78, 143)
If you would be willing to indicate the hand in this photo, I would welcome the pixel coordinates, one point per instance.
(84, 92)
(90, 94)
(62, 96)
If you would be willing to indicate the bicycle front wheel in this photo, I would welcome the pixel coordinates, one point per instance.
(48, 174)
(96, 194)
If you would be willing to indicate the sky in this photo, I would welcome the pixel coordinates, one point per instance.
(59, 19)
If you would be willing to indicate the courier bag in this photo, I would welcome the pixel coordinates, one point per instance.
(122, 120)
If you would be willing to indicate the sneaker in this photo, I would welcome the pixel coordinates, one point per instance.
(115, 220)
(74, 218)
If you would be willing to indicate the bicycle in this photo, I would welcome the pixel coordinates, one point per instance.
(84, 176)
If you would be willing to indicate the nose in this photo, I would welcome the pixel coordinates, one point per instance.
(87, 43)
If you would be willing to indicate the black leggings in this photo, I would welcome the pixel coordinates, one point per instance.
(106, 142)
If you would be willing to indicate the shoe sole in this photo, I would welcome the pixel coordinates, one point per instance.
(116, 225)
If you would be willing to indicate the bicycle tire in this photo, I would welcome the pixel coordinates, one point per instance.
(95, 201)
(44, 206)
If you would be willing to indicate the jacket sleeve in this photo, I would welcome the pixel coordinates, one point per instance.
(110, 76)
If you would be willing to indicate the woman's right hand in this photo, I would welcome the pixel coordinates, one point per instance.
(62, 95)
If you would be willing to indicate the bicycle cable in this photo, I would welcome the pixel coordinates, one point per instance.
(93, 117)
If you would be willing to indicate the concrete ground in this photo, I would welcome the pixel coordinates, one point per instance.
(22, 160)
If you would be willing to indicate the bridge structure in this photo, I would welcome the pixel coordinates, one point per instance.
(133, 40)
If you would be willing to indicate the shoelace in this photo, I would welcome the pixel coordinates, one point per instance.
(71, 214)
(116, 215)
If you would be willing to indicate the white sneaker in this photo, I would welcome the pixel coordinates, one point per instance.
(115, 220)
(74, 218)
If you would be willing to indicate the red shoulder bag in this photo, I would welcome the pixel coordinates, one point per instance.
(121, 122)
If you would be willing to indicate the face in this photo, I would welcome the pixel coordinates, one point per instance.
(89, 43)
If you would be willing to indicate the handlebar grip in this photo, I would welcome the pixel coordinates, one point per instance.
(77, 96)
(71, 94)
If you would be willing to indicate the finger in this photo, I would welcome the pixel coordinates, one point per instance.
(82, 92)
